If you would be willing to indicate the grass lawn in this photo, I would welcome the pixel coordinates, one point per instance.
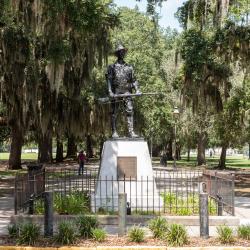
(25, 156)
(231, 161)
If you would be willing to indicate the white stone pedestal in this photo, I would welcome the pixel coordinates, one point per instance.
(141, 190)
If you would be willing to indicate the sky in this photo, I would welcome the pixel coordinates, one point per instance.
(166, 12)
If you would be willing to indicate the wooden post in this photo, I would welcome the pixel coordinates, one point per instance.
(204, 218)
(48, 214)
(122, 200)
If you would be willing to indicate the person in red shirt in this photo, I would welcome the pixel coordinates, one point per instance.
(81, 160)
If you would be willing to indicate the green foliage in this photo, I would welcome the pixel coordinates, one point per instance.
(201, 69)
(179, 205)
(85, 15)
(13, 230)
(39, 206)
(136, 234)
(176, 235)
(213, 48)
(225, 234)
(59, 51)
(244, 232)
(28, 233)
(158, 226)
(56, 45)
(66, 233)
(13, 36)
(74, 203)
(98, 234)
(86, 224)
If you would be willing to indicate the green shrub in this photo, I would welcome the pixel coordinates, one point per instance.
(158, 226)
(244, 232)
(39, 206)
(180, 205)
(136, 234)
(225, 234)
(176, 235)
(28, 233)
(86, 224)
(74, 203)
(98, 234)
(212, 206)
(13, 230)
(66, 233)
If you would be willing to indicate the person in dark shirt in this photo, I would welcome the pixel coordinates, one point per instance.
(81, 160)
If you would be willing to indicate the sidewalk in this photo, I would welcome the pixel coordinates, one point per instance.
(6, 205)
(242, 209)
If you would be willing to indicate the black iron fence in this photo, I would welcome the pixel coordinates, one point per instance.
(168, 192)
(28, 187)
(220, 186)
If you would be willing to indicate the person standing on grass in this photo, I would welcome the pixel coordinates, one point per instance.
(81, 160)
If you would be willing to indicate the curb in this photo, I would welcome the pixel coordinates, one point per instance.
(122, 248)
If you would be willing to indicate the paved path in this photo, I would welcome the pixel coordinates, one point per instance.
(6, 204)
(242, 209)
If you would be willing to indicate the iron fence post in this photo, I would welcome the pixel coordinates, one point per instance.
(220, 205)
(31, 205)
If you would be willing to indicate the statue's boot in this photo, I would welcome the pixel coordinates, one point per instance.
(113, 127)
(131, 127)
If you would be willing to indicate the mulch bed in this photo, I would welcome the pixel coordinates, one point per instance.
(124, 241)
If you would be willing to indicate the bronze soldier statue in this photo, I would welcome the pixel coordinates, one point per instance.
(121, 80)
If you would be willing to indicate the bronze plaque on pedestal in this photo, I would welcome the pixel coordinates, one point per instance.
(126, 166)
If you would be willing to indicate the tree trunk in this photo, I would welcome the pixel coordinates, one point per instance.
(102, 140)
(222, 162)
(188, 153)
(16, 147)
(201, 159)
(45, 148)
(169, 151)
(59, 150)
(71, 147)
(89, 146)
(178, 152)
(248, 150)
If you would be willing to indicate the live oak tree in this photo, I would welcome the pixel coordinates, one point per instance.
(48, 50)
(214, 39)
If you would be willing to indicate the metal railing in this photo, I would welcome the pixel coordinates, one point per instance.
(27, 188)
(168, 192)
(220, 186)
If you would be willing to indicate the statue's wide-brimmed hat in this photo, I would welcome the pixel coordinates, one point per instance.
(120, 47)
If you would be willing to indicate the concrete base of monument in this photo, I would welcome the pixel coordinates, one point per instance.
(126, 167)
